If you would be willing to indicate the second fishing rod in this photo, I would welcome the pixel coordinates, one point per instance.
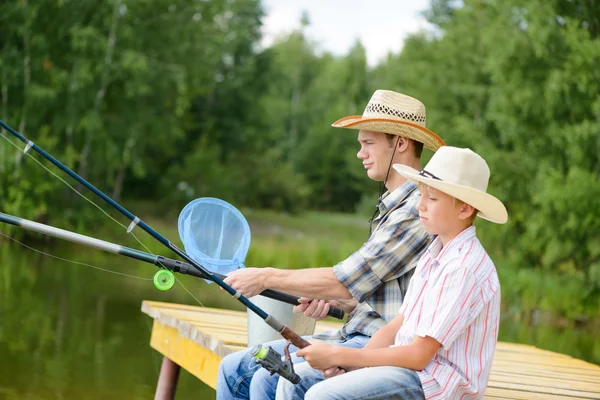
(161, 282)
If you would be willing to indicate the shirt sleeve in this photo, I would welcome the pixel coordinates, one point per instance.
(391, 251)
(454, 302)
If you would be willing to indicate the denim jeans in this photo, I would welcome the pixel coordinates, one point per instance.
(240, 377)
(364, 383)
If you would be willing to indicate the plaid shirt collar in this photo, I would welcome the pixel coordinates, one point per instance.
(390, 200)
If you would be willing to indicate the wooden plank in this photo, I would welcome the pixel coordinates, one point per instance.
(545, 382)
(511, 365)
(554, 390)
(558, 376)
(197, 360)
(197, 338)
(523, 395)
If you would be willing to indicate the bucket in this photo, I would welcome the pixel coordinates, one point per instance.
(258, 330)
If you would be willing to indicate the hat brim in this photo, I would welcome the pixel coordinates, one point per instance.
(407, 129)
(488, 206)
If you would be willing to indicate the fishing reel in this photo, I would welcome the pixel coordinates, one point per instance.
(164, 280)
(273, 362)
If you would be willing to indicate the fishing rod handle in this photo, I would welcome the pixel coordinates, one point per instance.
(187, 269)
(294, 338)
(293, 300)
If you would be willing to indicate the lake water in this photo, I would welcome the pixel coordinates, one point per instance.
(73, 332)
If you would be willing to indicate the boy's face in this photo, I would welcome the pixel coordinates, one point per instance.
(375, 153)
(440, 213)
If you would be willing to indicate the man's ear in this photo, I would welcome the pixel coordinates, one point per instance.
(402, 144)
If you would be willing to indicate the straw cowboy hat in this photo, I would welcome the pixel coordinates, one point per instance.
(394, 113)
(462, 174)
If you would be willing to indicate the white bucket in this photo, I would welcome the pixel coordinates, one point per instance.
(258, 330)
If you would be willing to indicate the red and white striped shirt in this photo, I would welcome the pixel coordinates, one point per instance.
(454, 297)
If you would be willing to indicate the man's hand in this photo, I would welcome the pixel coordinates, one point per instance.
(247, 281)
(318, 309)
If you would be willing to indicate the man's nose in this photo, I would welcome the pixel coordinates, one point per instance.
(361, 154)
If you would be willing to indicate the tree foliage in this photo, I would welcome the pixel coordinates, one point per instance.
(173, 100)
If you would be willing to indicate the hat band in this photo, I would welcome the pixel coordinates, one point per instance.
(427, 174)
(377, 108)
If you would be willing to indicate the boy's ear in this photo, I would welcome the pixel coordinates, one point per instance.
(466, 211)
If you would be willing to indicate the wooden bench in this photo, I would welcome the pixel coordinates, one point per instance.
(197, 338)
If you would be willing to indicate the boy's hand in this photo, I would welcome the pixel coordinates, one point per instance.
(319, 355)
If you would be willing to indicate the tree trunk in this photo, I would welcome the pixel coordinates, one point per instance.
(26, 79)
(125, 161)
(4, 94)
(26, 68)
(117, 189)
(71, 102)
(110, 46)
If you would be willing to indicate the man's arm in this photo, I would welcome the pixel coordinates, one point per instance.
(318, 283)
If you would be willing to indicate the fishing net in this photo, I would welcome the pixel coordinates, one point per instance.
(215, 234)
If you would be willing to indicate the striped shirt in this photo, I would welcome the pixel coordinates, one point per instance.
(454, 297)
(378, 273)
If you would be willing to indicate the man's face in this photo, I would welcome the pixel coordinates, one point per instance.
(376, 153)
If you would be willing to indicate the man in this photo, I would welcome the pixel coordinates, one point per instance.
(391, 131)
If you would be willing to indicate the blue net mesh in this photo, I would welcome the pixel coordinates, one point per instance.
(215, 234)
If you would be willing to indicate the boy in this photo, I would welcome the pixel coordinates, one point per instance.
(442, 343)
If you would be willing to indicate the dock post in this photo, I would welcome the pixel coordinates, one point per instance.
(167, 381)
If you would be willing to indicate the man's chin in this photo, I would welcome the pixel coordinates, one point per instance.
(374, 176)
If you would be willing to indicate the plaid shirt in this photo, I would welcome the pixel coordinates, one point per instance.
(377, 275)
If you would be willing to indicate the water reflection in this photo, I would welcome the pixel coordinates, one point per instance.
(72, 332)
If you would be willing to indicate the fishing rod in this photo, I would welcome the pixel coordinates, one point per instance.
(163, 280)
(283, 330)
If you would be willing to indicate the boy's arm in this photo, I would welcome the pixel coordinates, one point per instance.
(414, 356)
(385, 336)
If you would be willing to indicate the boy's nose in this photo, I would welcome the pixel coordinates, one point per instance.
(421, 204)
(361, 154)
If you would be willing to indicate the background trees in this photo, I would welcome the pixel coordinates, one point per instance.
(171, 100)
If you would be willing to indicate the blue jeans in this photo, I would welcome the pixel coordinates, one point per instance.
(364, 383)
(240, 377)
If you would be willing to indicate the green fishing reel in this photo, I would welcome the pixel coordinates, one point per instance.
(272, 361)
(164, 280)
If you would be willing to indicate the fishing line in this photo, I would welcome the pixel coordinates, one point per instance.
(75, 262)
(105, 213)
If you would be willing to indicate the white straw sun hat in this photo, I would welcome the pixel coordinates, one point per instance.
(462, 174)
(396, 114)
